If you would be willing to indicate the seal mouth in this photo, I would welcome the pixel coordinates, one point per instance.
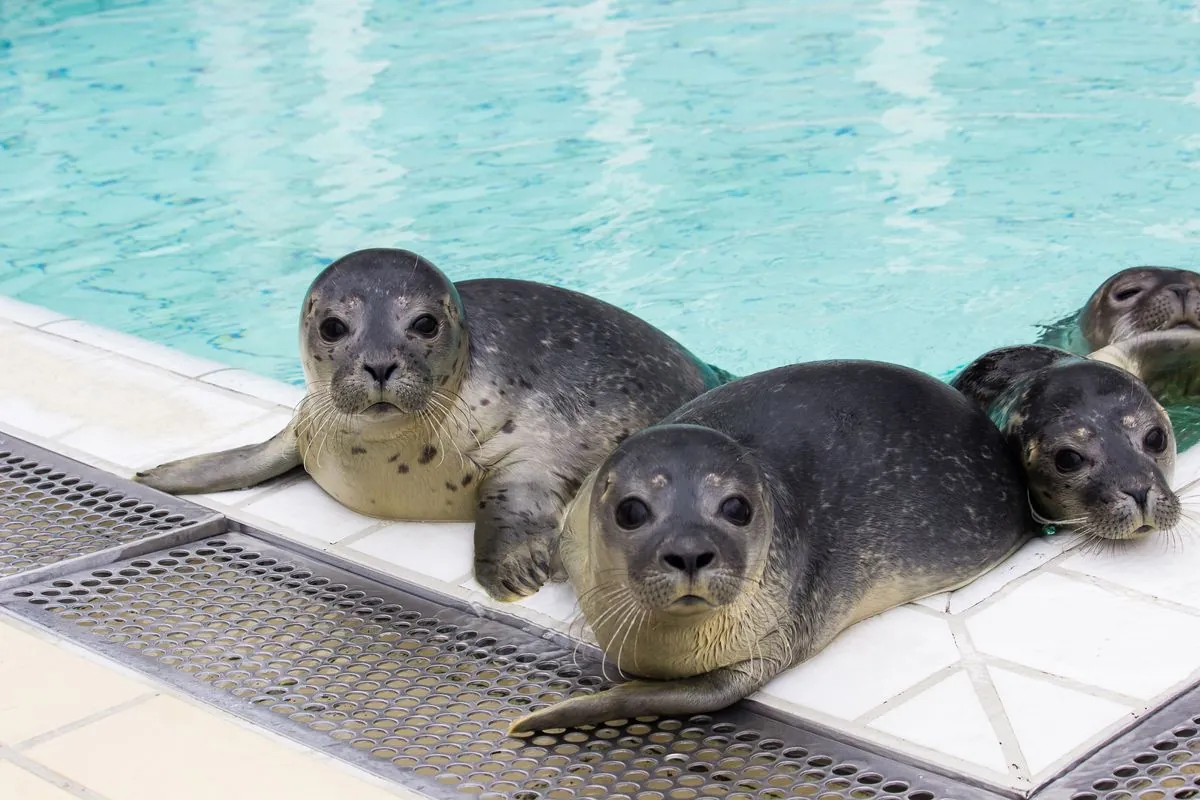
(1144, 530)
(690, 604)
(376, 409)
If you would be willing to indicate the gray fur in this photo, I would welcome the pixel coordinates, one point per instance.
(497, 417)
(1047, 401)
(870, 485)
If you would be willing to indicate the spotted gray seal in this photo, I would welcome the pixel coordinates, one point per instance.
(1097, 449)
(739, 536)
(485, 400)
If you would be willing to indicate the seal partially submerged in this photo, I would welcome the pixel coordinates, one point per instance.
(742, 534)
(1097, 449)
(485, 400)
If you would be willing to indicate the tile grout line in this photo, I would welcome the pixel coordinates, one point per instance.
(1008, 588)
(1063, 682)
(50, 776)
(1121, 591)
(83, 722)
(993, 707)
(904, 696)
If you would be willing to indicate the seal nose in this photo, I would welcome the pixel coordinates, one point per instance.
(381, 372)
(1181, 292)
(689, 560)
(1140, 496)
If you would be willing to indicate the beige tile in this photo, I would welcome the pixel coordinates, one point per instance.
(27, 313)
(17, 784)
(46, 687)
(166, 748)
(134, 347)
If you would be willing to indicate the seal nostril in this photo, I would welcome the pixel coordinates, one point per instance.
(1140, 496)
(675, 562)
(381, 372)
(704, 559)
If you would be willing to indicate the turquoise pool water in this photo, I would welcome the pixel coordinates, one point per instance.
(910, 180)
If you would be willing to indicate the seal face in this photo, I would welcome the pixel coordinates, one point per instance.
(1097, 449)
(1141, 300)
(486, 400)
(744, 532)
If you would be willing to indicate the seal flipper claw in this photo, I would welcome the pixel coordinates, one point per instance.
(515, 537)
(238, 468)
(701, 694)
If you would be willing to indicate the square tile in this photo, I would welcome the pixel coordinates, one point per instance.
(1050, 721)
(1034, 554)
(948, 718)
(17, 784)
(442, 550)
(239, 380)
(47, 400)
(1079, 631)
(27, 313)
(142, 350)
(166, 748)
(938, 602)
(17, 412)
(304, 508)
(46, 687)
(869, 663)
(1154, 566)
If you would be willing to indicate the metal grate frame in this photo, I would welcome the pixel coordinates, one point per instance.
(57, 513)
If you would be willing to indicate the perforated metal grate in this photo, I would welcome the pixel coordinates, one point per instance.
(53, 509)
(423, 693)
(1157, 760)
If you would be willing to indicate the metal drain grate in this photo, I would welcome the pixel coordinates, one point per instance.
(55, 510)
(1157, 760)
(423, 694)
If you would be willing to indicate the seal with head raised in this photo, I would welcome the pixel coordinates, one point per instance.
(739, 536)
(1097, 448)
(486, 400)
(1145, 320)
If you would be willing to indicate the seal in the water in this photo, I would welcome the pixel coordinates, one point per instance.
(743, 533)
(485, 400)
(1097, 449)
(1141, 300)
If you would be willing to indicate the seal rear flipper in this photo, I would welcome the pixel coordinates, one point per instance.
(701, 694)
(238, 468)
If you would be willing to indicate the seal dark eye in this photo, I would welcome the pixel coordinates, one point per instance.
(1156, 440)
(1068, 461)
(632, 513)
(333, 329)
(1127, 293)
(736, 510)
(425, 325)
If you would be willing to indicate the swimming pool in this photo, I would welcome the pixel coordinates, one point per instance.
(910, 180)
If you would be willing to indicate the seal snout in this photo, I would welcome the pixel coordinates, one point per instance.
(689, 557)
(381, 372)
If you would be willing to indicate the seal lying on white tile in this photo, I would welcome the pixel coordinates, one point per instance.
(739, 536)
(486, 400)
(1097, 449)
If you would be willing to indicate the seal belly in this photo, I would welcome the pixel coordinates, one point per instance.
(408, 480)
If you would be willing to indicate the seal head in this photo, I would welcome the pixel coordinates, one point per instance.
(682, 520)
(1141, 300)
(1097, 449)
(381, 334)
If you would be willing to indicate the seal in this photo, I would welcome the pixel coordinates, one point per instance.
(1097, 449)
(739, 536)
(485, 400)
(1145, 319)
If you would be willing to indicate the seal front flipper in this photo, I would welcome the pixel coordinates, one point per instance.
(701, 694)
(516, 526)
(238, 468)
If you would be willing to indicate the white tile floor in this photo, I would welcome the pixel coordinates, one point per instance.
(1007, 679)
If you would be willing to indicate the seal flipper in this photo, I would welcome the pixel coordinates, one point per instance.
(701, 694)
(238, 468)
(516, 530)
